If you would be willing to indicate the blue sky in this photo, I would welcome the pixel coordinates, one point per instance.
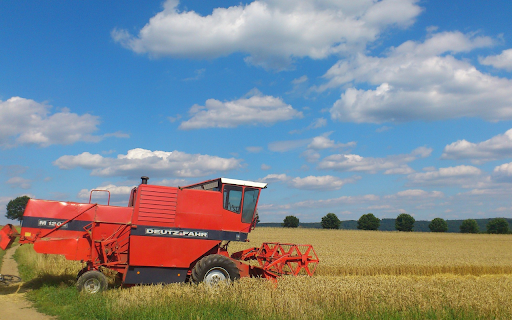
(349, 107)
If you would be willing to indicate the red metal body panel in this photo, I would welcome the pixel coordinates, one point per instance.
(7, 236)
(57, 209)
(76, 230)
(111, 214)
(71, 248)
(203, 210)
(155, 205)
(167, 252)
(199, 209)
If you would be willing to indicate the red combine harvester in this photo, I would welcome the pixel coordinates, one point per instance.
(165, 235)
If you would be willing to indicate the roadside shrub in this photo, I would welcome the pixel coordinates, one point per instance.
(404, 222)
(469, 226)
(290, 222)
(368, 222)
(331, 221)
(438, 225)
(498, 226)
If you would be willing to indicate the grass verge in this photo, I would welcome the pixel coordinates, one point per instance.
(2, 252)
(67, 303)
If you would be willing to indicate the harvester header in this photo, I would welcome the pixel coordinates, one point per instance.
(164, 235)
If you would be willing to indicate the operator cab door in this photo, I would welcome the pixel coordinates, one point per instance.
(241, 200)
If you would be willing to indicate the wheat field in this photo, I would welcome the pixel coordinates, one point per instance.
(362, 274)
(355, 252)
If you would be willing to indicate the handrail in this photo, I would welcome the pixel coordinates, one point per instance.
(90, 195)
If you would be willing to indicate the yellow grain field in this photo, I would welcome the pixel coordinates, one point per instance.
(361, 274)
(355, 252)
(323, 296)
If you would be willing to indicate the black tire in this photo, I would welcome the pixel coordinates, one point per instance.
(80, 273)
(215, 268)
(92, 282)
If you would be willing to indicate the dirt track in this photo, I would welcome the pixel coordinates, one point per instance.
(13, 305)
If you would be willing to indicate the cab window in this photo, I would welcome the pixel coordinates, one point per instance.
(250, 199)
(233, 198)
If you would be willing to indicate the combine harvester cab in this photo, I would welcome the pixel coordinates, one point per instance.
(164, 235)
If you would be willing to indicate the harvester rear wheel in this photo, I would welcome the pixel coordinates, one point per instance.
(81, 272)
(215, 268)
(92, 282)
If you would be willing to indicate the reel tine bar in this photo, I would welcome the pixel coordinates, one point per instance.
(278, 259)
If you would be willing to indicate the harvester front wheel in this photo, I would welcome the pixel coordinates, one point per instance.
(215, 268)
(92, 282)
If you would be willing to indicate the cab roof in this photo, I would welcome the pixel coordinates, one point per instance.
(214, 184)
(261, 185)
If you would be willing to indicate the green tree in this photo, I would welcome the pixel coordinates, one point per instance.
(469, 226)
(498, 225)
(368, 222)
(16, 208)
(331, 221)
(404, 222)
(290, 222)
(438, 225)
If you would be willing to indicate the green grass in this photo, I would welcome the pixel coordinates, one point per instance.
(66, 303)
(2, 252)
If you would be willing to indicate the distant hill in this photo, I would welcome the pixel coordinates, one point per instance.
(389, 225)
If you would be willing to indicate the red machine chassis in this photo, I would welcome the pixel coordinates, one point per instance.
(162, 234)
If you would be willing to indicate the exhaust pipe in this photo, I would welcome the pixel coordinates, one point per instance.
(144, 180)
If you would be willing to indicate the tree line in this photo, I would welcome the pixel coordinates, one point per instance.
(405, 222)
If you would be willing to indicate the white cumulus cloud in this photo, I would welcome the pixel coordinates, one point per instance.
(500, 61)
(312, 145)
(271, 32)
(265, 167)
(418, 193)
(498, 147)
(19, 182)
(25, 121)
(138, 162)
(275, 177)
(395, 164)
(257, 109)
(503, 173)
(464, 176)
(419, 81)
(320, 182)
(310, 182)
(323, 142)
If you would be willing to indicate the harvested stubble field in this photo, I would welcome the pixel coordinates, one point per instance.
(375, 275)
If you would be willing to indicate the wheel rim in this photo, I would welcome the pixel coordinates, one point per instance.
(92, 286)
(215, 276)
